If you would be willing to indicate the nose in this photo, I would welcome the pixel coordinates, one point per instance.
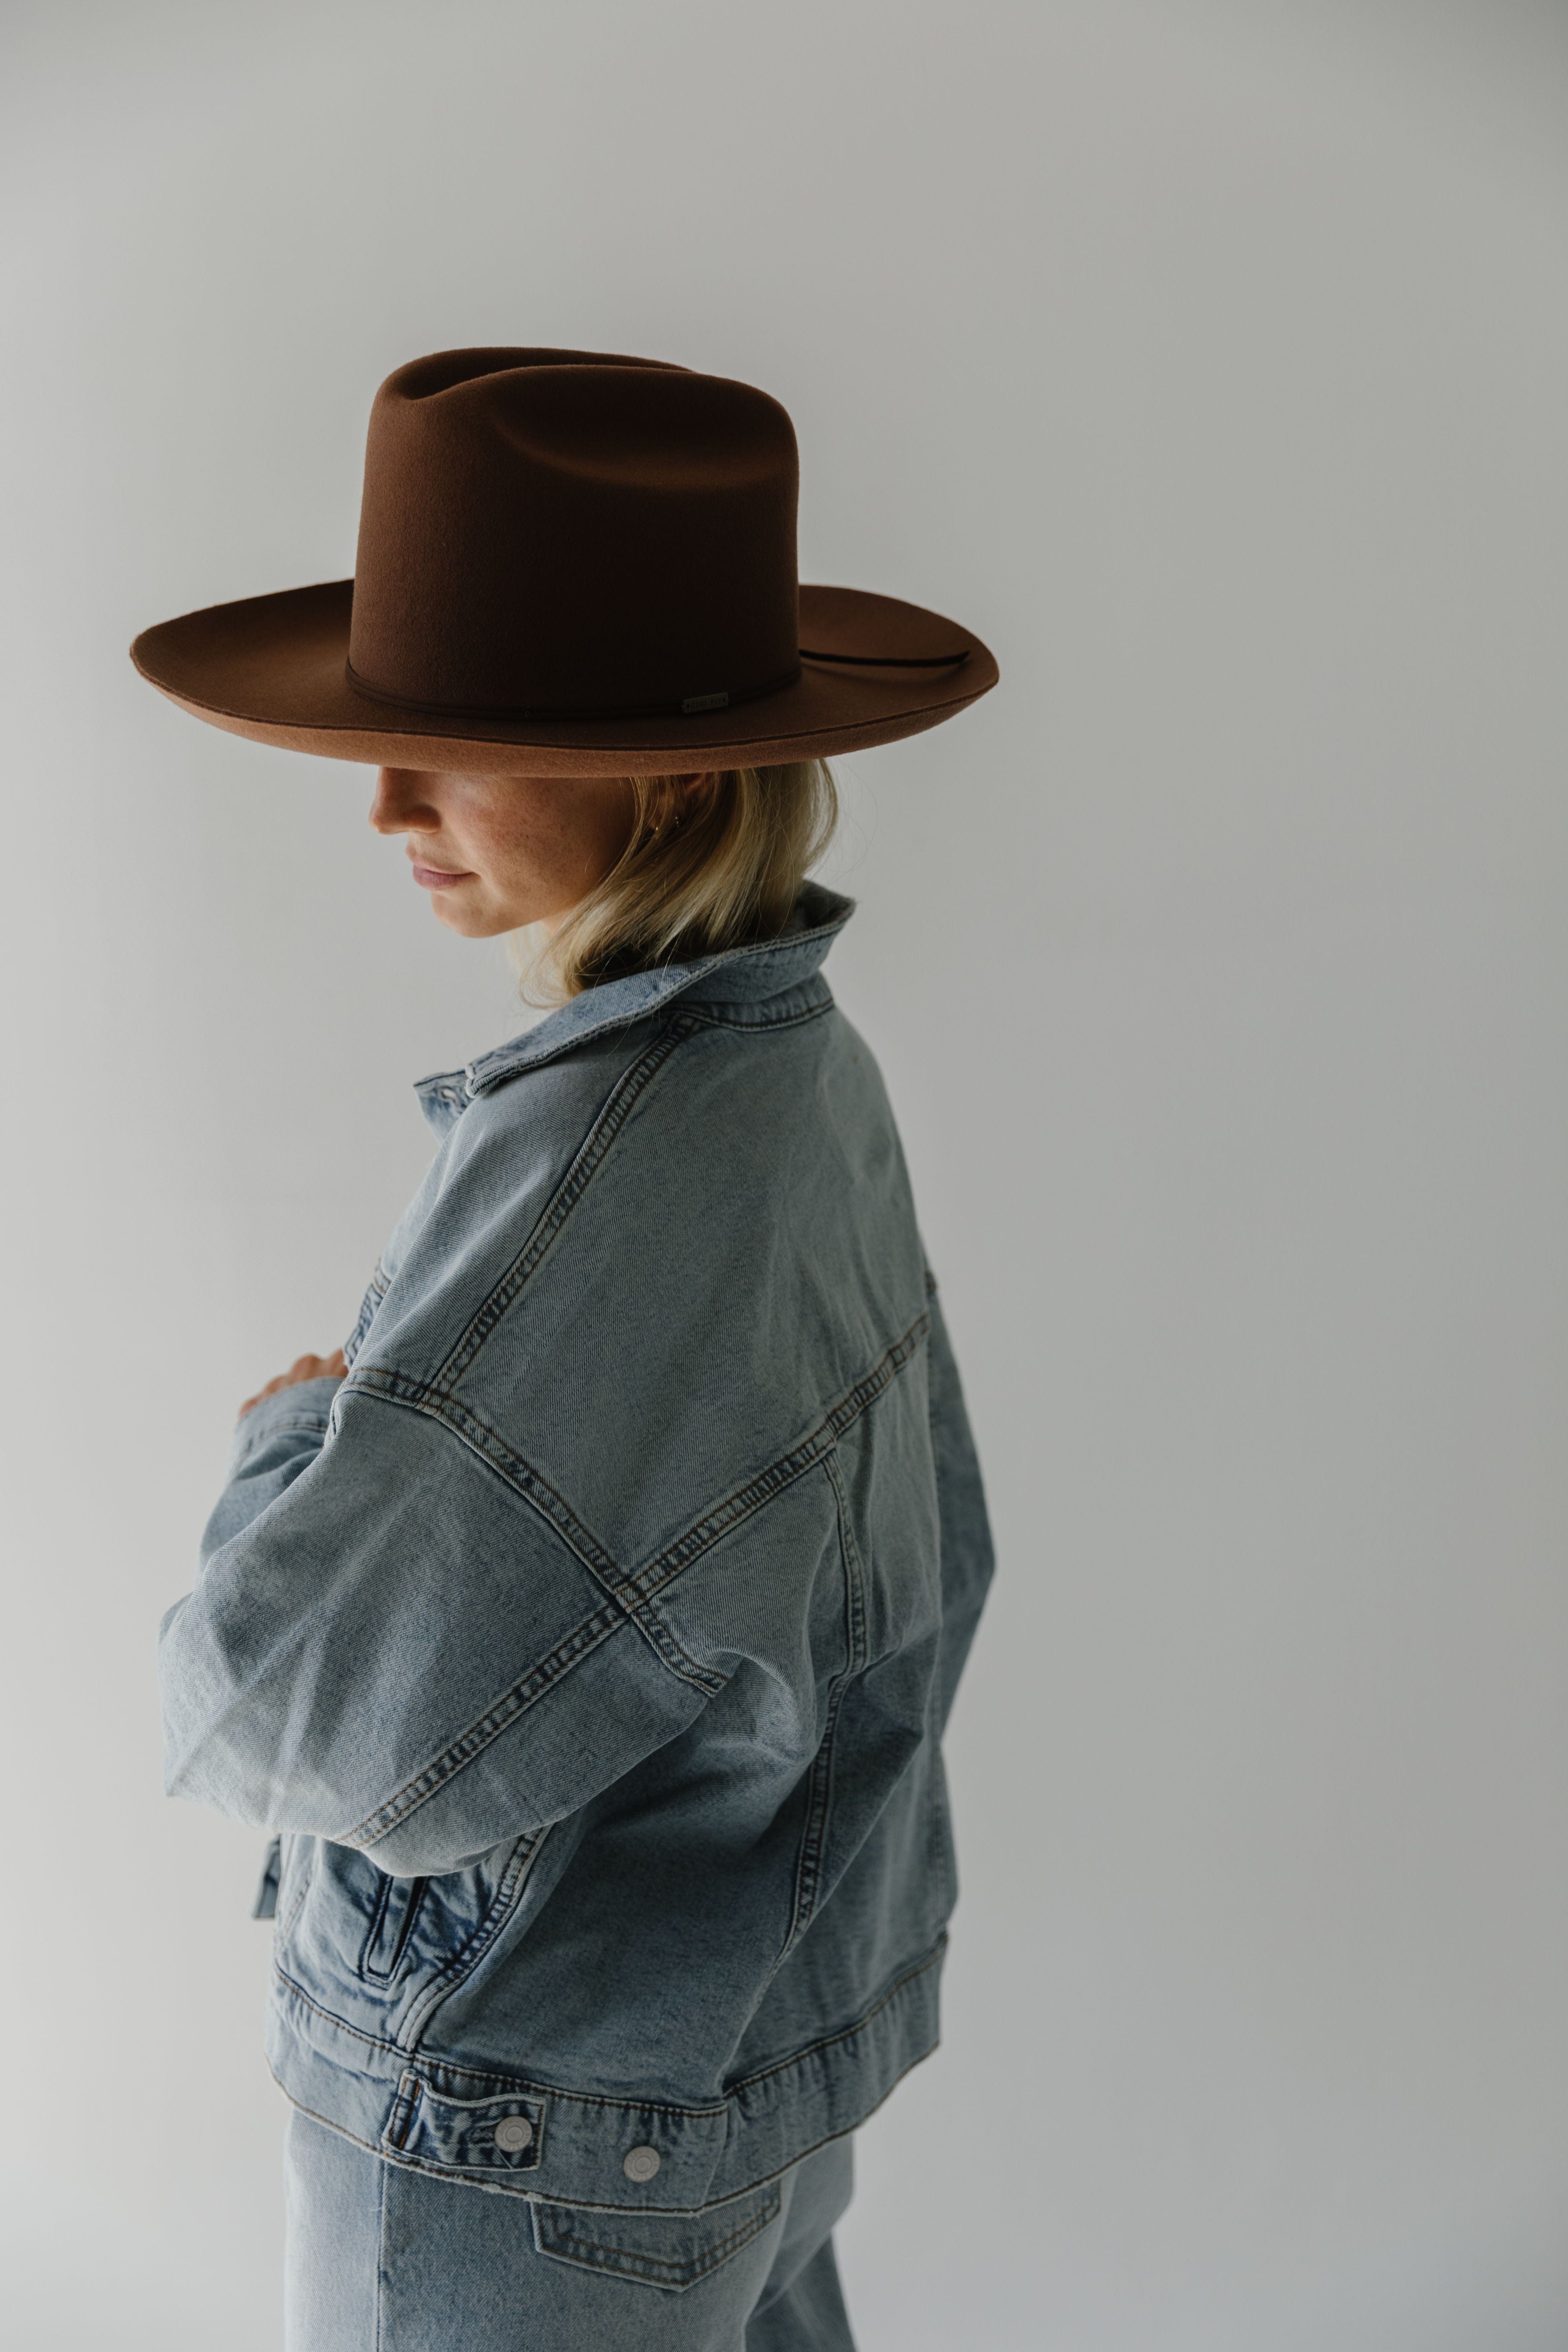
(400, 806)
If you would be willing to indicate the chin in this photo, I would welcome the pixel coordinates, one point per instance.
(469, 923)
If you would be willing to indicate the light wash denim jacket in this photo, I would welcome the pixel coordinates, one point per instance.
(590, 1645)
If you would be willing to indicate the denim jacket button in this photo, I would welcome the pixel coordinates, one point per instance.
(513, 2134)
(640, 2163)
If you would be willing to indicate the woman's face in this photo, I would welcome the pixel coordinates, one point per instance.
(496, 852)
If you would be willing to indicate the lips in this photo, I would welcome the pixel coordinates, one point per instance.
(438, 878)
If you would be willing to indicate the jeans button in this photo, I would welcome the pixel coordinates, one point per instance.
(640, 2163)
(514, 2133)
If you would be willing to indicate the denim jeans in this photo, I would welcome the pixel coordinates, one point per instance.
(384, 2259)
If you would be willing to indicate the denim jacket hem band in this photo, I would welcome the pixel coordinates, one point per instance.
(433, 2116)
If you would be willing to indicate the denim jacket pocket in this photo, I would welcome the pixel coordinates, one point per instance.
(665, 2250)
(391, 1924)
(265, 1905)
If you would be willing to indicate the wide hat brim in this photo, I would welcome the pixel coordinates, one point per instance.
(275, 668)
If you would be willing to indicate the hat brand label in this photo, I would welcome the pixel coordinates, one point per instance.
(704, 702)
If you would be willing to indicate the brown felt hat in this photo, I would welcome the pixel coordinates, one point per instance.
(570, 563)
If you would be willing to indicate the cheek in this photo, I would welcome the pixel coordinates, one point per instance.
(515, 851)
(520, 844)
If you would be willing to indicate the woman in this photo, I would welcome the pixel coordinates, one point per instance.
(586, 1628)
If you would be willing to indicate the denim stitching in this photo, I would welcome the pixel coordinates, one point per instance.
(375, 1291)
(855, 1631)
(381, 2257)
(508, 1895)
(523, 2086)
(750, 1498)
(370, 1970)
(491, 1724)
(573, 1184)
(377, 1915)
(846, 2032)
(397, 1388)
(402, 2106)
(285, 1926)
(507, 2086)
(710, 1019)
(511, 2086)
(499, 2184)
(814, 1836)
(413, 2091)
(632, 2263)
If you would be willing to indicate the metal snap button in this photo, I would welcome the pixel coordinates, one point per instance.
(514, 2133)
(640, 2163)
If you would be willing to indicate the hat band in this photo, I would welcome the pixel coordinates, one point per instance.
(687, 706)
(891, 661)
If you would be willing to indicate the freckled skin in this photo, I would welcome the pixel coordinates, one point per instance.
(528, 847)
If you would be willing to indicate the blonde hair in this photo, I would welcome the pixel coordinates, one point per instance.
(712, 861)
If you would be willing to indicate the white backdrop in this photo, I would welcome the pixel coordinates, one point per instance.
(1209, 358)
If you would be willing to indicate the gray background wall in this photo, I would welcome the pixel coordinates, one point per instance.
(1210, 359)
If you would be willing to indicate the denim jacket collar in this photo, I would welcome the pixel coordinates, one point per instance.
(766, 968)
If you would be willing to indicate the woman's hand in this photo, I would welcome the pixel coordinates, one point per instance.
(303, 1368)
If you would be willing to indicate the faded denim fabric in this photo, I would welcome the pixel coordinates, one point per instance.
(384, 2260)
(590, 1644)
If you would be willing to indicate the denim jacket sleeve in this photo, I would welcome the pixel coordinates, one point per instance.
(388, 1648)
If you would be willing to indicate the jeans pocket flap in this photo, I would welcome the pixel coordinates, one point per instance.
(668, 2250)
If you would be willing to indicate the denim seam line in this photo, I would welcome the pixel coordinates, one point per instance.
(606, 1127)
(490, 1448)
(817, 1443)
(712, 1019)
(814, 1836)
(500, 2184)
(633, 2263)
(522, 2086)
(514, 1883)
(496, 1719)
(846, 2032)
(632, 1598)
(283, 1925)
(370, 1969)
(508, 2086)
(381, 2258)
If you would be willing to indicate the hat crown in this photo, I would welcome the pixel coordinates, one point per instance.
(574, 533)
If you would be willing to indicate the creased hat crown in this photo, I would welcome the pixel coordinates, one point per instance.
(573, 534)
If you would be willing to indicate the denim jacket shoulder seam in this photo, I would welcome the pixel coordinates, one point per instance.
(605, 1125)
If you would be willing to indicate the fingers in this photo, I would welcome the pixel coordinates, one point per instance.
(303, 1368)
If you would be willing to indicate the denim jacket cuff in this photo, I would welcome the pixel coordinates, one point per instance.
(304, 1406)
